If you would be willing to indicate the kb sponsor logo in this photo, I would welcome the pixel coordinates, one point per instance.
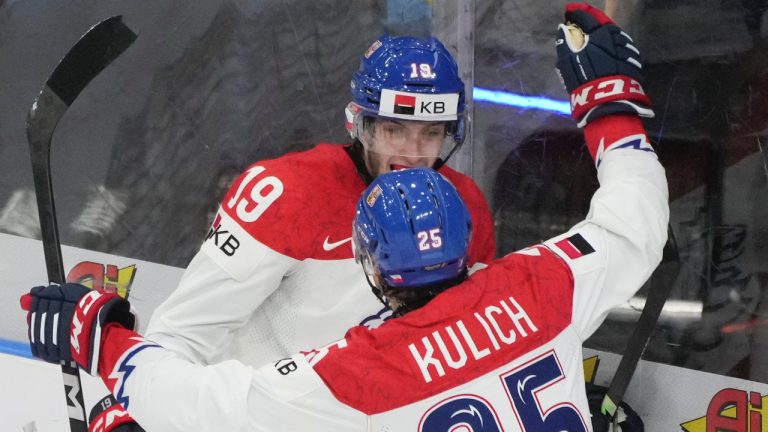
(286, 366)
(433, 107)
(419, 105)
(223, 239)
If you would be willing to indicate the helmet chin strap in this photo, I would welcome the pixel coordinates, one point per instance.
(356, 152)
(440, 162)
(378, 292)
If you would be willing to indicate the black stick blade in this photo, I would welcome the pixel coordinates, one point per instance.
(94, 51)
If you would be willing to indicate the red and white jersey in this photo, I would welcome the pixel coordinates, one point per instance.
(276, 274)
(499, 352)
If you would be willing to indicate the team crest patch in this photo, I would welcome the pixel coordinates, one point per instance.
(371, 49)
(575, 246)
(373, 196)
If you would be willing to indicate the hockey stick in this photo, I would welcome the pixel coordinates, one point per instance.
(94, 51)
(658, 292)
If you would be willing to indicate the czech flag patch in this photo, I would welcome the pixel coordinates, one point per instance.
(575, 246)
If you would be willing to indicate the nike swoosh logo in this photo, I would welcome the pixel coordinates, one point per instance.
(331, 246)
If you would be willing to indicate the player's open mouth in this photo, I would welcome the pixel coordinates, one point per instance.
(395, 167)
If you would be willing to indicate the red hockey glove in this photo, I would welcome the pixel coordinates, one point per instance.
(109, 416)
(65, 322)
(603, 74)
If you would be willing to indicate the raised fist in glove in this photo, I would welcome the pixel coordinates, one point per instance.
(66, 321)
(602, 72)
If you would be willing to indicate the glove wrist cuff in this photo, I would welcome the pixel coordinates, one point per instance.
(93, 312)
(86, 330)
(615, 88)
(111, 418)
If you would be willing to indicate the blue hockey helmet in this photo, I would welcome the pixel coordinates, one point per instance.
(412, 229)
(408, 78)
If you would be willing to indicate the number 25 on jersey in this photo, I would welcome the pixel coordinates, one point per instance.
(473, 413)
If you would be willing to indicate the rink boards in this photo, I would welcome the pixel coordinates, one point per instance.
(668, 398)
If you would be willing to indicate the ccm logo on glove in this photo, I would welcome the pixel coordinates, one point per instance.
(605, 90)
(83, 307)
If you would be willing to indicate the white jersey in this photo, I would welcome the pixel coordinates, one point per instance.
(501, 351)
(276, 273)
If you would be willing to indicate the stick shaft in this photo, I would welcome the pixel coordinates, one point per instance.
(94, 51)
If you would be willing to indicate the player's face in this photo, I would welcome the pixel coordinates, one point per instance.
(396, 144)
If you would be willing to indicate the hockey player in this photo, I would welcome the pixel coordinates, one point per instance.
(497, 350)
(280, 244)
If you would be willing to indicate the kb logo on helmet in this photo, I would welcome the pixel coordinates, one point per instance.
(417, 106)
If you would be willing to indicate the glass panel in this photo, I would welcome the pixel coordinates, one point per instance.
(709, 93)
(142, 158)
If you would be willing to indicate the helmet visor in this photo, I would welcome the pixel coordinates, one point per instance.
(393, 143)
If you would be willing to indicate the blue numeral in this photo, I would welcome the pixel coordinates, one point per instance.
(522, 386)
(467, 411)
(476, 414)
